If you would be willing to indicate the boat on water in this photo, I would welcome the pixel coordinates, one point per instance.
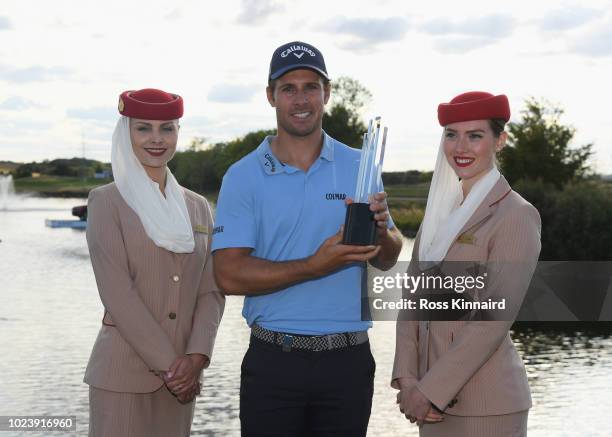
(74, 224)
(80, 223)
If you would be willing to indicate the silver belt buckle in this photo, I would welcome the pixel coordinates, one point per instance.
(287, 342)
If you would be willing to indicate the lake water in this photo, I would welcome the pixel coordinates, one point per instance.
(50, 314)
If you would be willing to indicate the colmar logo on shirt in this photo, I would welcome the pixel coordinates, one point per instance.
(335, 196)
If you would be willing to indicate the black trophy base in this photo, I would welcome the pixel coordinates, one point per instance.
(359, 225)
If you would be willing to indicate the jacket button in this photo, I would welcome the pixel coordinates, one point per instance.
(452, 403)
(175, 278)
(172, 316)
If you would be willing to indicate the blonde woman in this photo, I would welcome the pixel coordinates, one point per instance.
(149, 241)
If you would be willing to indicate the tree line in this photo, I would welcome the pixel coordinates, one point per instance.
(540, 162)
(73, 167)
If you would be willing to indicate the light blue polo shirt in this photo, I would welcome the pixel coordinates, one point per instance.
(285, 214)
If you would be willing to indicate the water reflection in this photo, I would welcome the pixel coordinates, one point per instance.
(570, 373)
(50, 315)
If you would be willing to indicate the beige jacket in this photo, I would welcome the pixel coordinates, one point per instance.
(158, 304)
(471, 368)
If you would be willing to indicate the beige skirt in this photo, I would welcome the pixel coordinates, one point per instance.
(156, 414)
(505, 425)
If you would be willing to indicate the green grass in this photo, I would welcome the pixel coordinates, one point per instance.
(413, 190)
(408, 219)
(606, 185)
(58, 186)
(407, 205)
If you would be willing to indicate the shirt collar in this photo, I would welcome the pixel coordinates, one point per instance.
(327, 151)
(272, 165)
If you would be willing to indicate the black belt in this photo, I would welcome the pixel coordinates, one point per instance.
(314, 343)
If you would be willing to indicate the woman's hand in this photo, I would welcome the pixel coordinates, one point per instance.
(182, 379)
(188, 397)
(433, 416)
(416, 407)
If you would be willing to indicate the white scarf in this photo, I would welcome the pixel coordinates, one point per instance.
(445, 215)
(165, 219)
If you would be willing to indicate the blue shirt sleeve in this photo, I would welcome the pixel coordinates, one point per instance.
(235, 224)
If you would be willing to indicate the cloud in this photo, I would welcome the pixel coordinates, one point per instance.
(35, 73)
(568, 18)
(494, 26)
(13, 128)
(174, 14)
(256, 12)
(105, 115)
(16, 103)
(367, 32)
(461, 44)
(595, 44)
(195, 120)
(5, 23)
(232, 93)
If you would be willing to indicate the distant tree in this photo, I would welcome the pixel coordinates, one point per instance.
(539, 148)
(63, 168)
(426, 176)
(405, 177)
(342, 120)
(197, 143)
(238, 148)
(575, 220)
(201, 168)
(351, 94)
(26, 170)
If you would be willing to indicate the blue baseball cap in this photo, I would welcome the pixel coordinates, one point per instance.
(295, 55)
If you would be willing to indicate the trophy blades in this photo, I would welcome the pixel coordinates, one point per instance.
(358, 188)
(382, 157)
(361, 178)
(371, 164)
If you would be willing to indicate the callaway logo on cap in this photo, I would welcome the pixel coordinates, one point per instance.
(294, 55)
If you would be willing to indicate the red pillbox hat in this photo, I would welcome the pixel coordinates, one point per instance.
(151, 104)
(474, 105)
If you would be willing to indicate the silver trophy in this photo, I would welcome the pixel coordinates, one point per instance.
(359, 224)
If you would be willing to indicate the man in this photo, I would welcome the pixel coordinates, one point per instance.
(308, 370)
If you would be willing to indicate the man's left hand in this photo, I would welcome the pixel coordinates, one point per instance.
(389, 241)
(378, 205)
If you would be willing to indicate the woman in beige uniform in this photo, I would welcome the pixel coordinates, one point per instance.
(149, 241)
(465, 378)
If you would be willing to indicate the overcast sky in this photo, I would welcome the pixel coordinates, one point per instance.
(64, 63)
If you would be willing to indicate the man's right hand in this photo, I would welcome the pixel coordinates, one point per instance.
(332, 255)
